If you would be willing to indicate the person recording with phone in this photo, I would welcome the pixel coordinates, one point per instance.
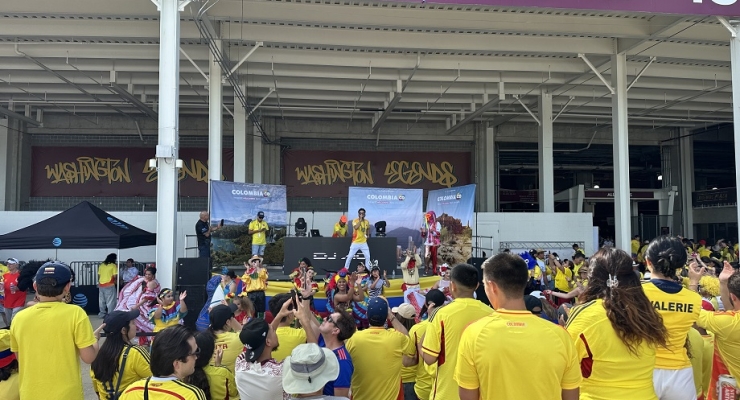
(360, 232)
(203, 231)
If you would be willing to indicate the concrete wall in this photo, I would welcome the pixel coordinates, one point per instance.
(494, 228)
(14, 220)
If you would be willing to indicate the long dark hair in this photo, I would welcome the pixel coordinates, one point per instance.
(110, 259)
(153, 270)
(207, 346)
(632, 316)
(666, 254)
(28, 273)
(106, 365)
(8, 370)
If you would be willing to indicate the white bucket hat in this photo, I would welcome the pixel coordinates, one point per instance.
(405, 310)
(308, 368)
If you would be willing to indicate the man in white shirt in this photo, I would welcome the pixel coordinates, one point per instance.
(258, 376)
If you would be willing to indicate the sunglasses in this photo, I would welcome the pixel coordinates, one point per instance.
(255, 261)
(329, 319)
(196, 353)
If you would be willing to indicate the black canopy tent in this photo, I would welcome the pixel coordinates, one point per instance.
(83, 226)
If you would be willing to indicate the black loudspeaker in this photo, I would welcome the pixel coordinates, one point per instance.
(193, 271)
(195, 300)
(480, 293)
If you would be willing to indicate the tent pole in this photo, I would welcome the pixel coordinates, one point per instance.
(118, 271)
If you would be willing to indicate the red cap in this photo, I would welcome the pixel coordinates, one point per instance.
(343, 218)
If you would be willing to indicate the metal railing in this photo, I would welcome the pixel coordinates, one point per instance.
(86, 272)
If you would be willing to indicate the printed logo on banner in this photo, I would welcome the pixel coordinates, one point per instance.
(251, 193)
(117, 223)
(56, 242)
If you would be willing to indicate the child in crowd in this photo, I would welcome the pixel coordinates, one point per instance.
(167, 311)
(244, 308)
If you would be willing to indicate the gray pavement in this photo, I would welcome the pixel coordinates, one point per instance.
(85, 368)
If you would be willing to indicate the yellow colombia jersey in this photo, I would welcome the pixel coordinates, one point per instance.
(162, 389)
(222, 383)
(424, 380)
(255, 281)
(106, 272)
(339, 230)
(696, 343)
(502, 352)
(707, 360)
(442, 340)
(724, 326)
(609, 369)
(231, 345)
(679, 308)
(137, 367)
(359, 235)
(377, 355)
(259, 238)
(561, 279)
(289, 338)
(50, 331)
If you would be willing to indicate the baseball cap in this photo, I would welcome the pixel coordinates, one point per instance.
(6, 356)
(56, 270)
(253, 336)
(343, 218)
(532, 302)
(261, 214)
(405, 310)
(219, 315)
(308, 368)
(118, 320)
(12, 260)
(434, 296)
(377, 309)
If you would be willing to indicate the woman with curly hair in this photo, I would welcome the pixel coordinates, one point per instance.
(679, 307)
(340, 295)
(616, 331)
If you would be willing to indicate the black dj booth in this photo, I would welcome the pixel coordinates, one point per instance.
(328, 254)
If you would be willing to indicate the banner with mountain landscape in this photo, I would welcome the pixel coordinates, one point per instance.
(401, 209)
(454, 208)
(237, 204)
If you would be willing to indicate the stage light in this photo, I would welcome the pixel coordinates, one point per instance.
(301, 227)
(380, 229)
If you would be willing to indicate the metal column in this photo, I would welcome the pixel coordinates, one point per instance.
(491, 185)
(546, 164)
(215, 115)
(257, 155)
(735, 62)
(620, 134)
(240, 139)
(167, 147)
(686, 149)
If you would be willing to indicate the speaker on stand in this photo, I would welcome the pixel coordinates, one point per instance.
(192, 276)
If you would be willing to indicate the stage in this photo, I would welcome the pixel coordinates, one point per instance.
(329, 254)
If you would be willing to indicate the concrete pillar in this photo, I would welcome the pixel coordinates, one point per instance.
(488, 179)
(241, 154)
(686, 188)
(215, 116)
(256, 155)
(4, 161)
(620, 133)
(167, 147)
(546, 163)
(735, 61)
